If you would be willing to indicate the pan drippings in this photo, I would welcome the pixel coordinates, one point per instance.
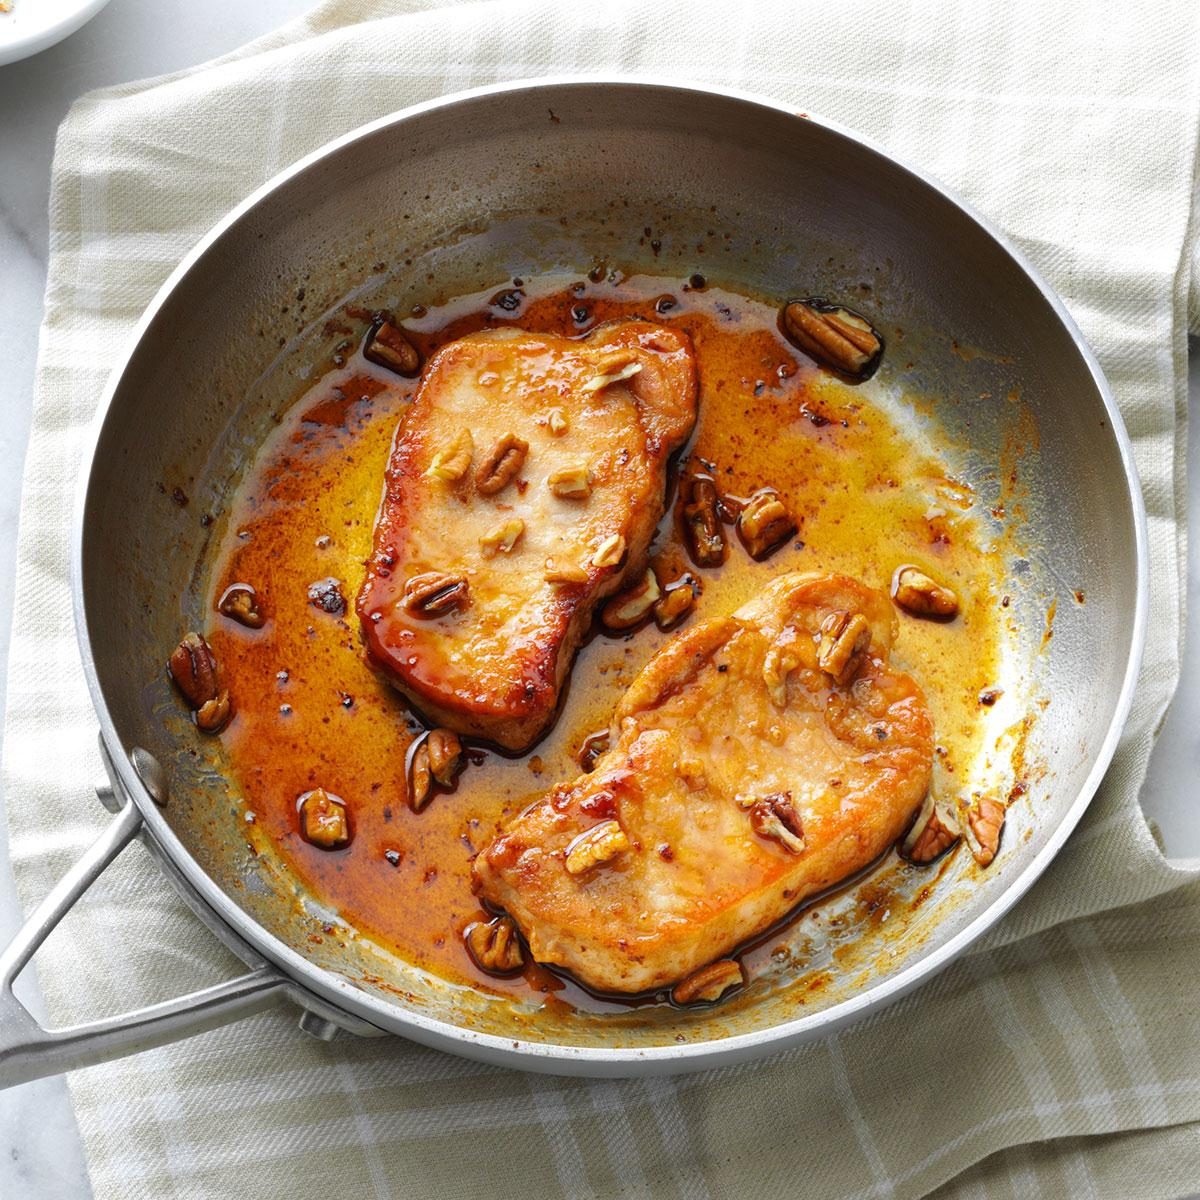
(838, 471)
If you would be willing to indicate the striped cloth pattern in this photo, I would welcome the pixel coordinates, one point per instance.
(1062, 1057)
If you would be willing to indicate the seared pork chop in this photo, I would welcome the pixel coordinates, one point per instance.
(524, 487)
(757, 760)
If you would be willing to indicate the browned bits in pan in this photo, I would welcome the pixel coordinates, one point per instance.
(326, 594)
(387, 346)
(765, 524)
(701, 524)
(922, 596)
(934, 831)
(239, 602)
(509, 300)
(194, 670)
(836, 337)
(323, 819)
(494, 946)
(709, 983)
(501, 464)
(434, 593)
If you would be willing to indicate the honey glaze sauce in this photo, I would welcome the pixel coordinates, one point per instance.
(868, 495)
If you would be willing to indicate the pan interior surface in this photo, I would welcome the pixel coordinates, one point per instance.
(543, 179)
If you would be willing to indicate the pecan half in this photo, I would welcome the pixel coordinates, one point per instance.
(774, 817)
(934, 831)
(494, 946)
(503, 538)
(709, 983)
(323, 819)
(701, 524)
(194, 670)
(572, 482)
(453, 460)
(985, 821)
(435, 592)
(501, 465)
(843, 644)
(676, 601)
(918, 594)
(326, 594)
(239, 602)
(388, 347)
(598, 845)
(764, 524)
(632, 606)
(419, 775)
(445, 754)
(836, 337)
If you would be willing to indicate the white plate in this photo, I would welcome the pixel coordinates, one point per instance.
(35, 25)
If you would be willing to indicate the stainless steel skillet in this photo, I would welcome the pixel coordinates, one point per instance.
(523, 179)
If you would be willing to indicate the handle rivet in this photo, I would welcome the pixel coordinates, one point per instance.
(149, 771)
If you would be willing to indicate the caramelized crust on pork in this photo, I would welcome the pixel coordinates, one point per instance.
(524, 487)
(757, 760)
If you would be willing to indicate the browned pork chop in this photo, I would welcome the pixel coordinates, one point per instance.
(525, 485)
(758, 759)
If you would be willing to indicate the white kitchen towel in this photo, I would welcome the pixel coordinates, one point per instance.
(1063, 1057)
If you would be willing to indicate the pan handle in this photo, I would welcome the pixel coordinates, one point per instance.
(29, 1051)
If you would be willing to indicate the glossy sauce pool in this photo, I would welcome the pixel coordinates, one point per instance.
(872, 490)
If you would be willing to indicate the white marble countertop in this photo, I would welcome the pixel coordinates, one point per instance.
(40, 1154)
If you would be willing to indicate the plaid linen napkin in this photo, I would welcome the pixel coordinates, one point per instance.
(1062, 1057)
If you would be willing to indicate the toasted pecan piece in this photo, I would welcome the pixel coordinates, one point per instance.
(194, 670)
(387, 346)
(922, 596)
(501, 464)
(934, 831)
(765, 524)
(239, 602)
(494, 945)
(710, 983)
(701, 523)
(835, 336)
(985, 823)
(323, 819)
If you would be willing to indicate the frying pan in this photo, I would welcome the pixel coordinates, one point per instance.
(521, 179)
